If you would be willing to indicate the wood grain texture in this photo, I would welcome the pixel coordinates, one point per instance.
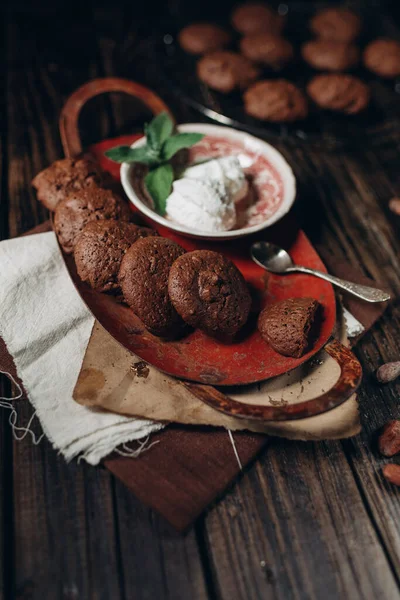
(64, 535)
(308, 520)
(157, 561)
(304, 500)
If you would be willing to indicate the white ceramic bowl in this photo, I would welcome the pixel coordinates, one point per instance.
(272, 179)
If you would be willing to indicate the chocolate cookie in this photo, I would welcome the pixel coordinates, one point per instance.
(143, 277)
(82, 207)
(330, 56)
(336, 24)
(64, 177)
(277, 101)
(99, 250)
(268, 49)
(209, 292)
(340, 92)
(226, 71)
(200, 38)
(254, 17)
(286, 325)
(382, 56)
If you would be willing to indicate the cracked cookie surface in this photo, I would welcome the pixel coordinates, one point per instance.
(287, 325)
(209, 292)
(64, 177)
(342, 93)
(276, 101)
(143, 277)
(82, 207)
(100, 248)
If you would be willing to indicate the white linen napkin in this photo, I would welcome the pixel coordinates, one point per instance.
(46, 328)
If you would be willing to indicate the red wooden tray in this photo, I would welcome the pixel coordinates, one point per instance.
(196, 357)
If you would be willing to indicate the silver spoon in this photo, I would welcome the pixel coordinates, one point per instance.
(277, 260)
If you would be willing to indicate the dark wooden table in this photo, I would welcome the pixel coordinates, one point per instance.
(307, 520)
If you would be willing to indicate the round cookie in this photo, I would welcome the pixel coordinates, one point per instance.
(382, 56)
(268, 49)
(64, 177)
(336, 24)
(226, 71)
(200, 38)
(286, 325)
(254, 17)
(209, 292)
(143, 277)
(99, 250)
(330, 56)
(276, 101)
(79, 208)
(339, 92)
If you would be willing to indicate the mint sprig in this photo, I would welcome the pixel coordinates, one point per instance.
(161, 146)
(159, 130)
(159, 183)
(178, 142)
(142, 155)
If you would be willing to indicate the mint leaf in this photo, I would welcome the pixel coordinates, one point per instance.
(159, 183)
(179, 141)
(160, 128)
(143, 155)
(150, 139)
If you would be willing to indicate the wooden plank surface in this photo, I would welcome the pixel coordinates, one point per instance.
(308, 520)
(304, 499)
(156, 561)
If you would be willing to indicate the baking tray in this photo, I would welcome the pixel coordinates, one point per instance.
(178, 69)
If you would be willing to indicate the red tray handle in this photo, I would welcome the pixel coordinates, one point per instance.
(348, 382)
(69, 116)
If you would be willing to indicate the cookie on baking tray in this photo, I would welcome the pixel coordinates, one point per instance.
(226, 71)
(328, 55)
(339, 92)
(338, 24)
(276, 100)
(268, 49)
(253, 17)
(199, 38)
(382, 56)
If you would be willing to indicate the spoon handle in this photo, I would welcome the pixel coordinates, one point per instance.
(364, 292)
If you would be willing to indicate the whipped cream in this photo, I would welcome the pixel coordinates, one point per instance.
(227, 169)
(201, 205)
(204, 197)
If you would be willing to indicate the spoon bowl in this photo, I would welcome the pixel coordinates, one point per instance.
(271, 257)
(277, 260)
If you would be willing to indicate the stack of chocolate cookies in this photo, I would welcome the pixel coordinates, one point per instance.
(169, 289)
